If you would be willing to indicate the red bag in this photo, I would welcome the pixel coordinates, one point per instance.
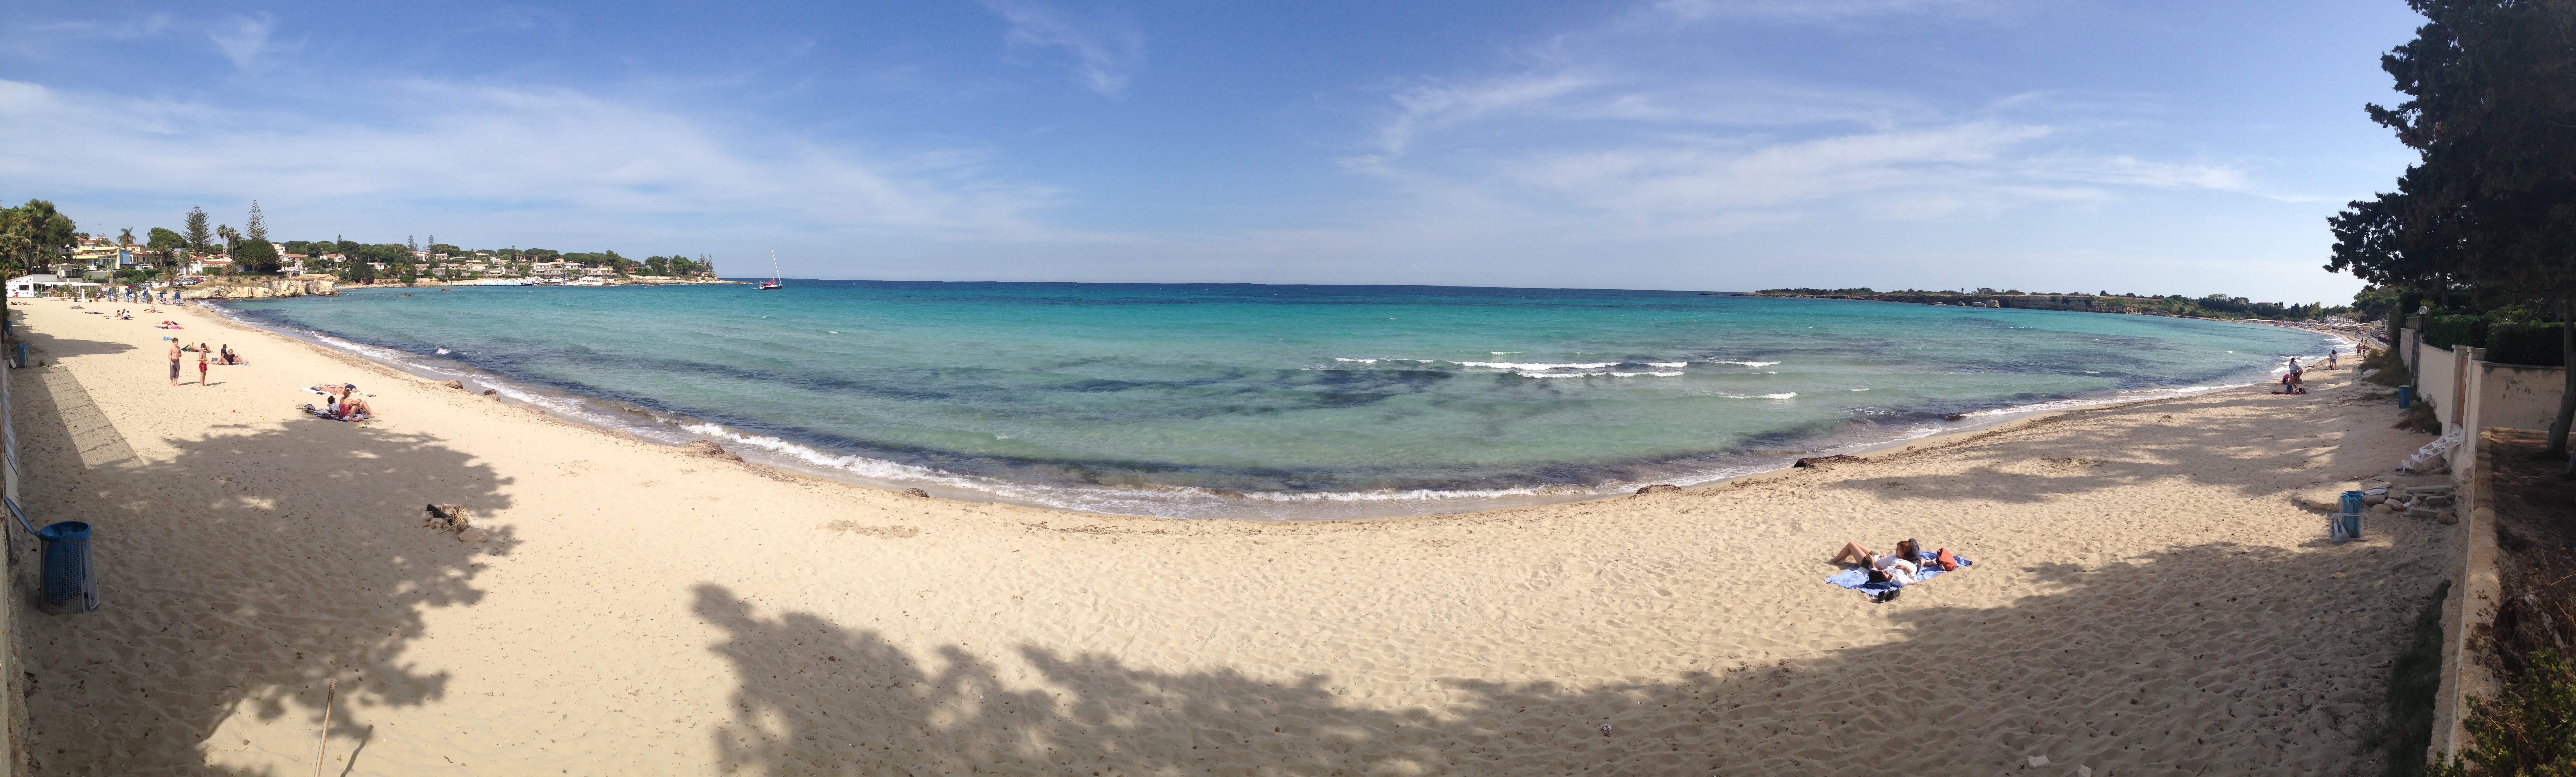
(1947, 562)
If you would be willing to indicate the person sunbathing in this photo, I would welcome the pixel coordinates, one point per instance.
(352, 407)
(1899, 567)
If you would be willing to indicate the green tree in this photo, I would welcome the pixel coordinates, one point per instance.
(257, 227)
(257, 257)
(2491, 200)
(126, 238)
(201, 238)
(34, 234)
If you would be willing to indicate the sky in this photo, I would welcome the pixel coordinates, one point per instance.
(2177, 147)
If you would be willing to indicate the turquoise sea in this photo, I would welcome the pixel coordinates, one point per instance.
(1271, 401)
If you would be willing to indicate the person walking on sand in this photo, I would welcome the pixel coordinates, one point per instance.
(174, 361)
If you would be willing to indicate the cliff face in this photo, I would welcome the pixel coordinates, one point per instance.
(282, 287)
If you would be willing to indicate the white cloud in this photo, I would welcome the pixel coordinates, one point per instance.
(1105, 56)
(1435, 106)
(244, 39)
(495, 150)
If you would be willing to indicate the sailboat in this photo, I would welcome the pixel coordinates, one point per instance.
(775, 282)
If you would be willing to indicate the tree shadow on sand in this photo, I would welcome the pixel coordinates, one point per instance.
(2043, 464)
(2086, 671)
(238, 577)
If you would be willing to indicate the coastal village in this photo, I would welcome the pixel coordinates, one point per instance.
(198, 262)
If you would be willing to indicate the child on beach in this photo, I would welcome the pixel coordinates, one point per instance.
(201, 364)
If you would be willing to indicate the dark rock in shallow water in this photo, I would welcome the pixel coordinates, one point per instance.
(1955, 417)
(917, 492)
(1819, 461)
(1658, 487)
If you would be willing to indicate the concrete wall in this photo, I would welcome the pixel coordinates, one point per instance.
(2518, 396)
(2433, 371)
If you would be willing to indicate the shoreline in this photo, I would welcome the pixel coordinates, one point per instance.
(858, 469)
(643, 609)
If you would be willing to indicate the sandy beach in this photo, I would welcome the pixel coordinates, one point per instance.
(2147, 599)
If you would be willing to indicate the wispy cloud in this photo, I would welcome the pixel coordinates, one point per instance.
(1105, 55)
(1435, 106)
(503, 149)
(245, 39)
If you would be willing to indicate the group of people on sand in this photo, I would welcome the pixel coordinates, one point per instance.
(1899, 569)
(341, 403)
(2294, 379)
(206, 357)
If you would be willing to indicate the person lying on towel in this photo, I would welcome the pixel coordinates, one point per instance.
(1899, 567)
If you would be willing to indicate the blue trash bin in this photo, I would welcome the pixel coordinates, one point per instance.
(67, 586)
(2405, 397)
(2345, 526)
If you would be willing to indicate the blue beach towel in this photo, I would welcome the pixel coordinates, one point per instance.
(1857, 578)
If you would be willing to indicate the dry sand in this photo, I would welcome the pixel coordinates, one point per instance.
(2147, 600)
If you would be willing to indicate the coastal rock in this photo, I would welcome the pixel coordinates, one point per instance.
(710, 449)
(491, 393)
(2448, 519)
(454, 384)
(2419, 512)
(1820, 461)
(472, 535)
(1658, 487)
(1955, 417)
(917, 493)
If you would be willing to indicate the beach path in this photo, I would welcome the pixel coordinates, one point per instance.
(2147, 600)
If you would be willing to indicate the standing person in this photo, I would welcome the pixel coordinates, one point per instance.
(2331, 353)
(174, 361)
(201, 364)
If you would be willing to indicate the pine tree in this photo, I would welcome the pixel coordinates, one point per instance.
(200, 236)
(257, 227)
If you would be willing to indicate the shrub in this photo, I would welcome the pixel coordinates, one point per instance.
(2447, 331)
(2530, 728)
(2534, 344)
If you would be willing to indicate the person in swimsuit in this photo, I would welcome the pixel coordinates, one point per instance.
(201, 365)
(174, 362)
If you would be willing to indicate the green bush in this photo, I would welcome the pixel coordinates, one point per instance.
(2529, 728)
(2534, 344)
(2447, 331)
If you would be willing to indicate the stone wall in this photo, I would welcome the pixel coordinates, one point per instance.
(255, 289)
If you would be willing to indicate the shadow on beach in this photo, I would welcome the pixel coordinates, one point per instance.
(237, 577)
(2083, 671)
(2043, 467)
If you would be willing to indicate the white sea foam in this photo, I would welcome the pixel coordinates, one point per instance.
(1521, 366)
(1558, 374)
(1667, 364)
(1355, 361)
(1647, 374)
(1748, 364)
(1782, 395)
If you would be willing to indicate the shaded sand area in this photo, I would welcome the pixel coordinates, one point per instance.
(2147, 600)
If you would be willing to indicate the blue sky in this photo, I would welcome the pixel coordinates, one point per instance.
(2166, 147)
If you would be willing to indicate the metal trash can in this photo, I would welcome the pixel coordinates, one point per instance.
(67, 585)
(2405, 397)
